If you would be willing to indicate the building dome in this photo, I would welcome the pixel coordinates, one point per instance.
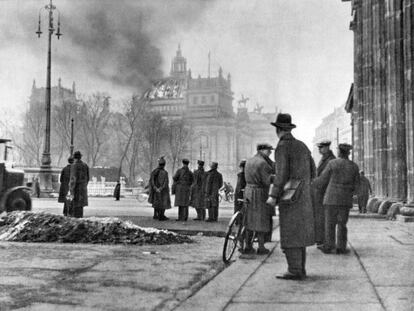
(168, 88)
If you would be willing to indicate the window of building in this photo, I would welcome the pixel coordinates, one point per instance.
(203, 99)
(195, 100)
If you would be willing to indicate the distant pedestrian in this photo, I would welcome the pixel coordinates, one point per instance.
(340, 178)
(197, 191)
(293, 165)
(240, 187)
(327, 155)
(214, 182)
(364, 190)
(160, 191)
(37, 187)
(79, 178)
(183, 179)
(117, 191)
(64, 186)
(258, 171)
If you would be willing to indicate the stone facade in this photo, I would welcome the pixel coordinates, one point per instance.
(382, 103)
(336, 127)
(219, 133)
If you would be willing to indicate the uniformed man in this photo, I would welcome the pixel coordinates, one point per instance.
(364, 191)
(79, 178)
(183, 180)
(293, 164)
(327, 155)
(258, 172)
(160, 191)
(64, 186)
(214, 181)
(197, 191)
(340, 178)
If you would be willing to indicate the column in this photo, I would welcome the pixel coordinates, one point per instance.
(380, 107)
(397, 167)
(408, 31)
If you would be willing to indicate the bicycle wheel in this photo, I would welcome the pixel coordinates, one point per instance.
(233, 236)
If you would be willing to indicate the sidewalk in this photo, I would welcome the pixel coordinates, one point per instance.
(376, 275)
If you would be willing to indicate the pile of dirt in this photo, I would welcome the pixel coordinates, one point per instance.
(42, 227)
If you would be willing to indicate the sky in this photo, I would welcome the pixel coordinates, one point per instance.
(292, 55)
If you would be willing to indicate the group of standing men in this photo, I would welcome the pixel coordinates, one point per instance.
(312, 201)
(73, 192)
(198, 189)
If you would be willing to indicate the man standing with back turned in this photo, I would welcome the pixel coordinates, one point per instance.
(79, 178)
(293, 162)
(327, 155)
(340, 178)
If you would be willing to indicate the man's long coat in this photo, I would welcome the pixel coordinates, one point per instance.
(79, 178)
(258, 214)
(159, 189)
(293, 160)
(239, 192)
(64, 183)
(341, 180)
(197, 188)
(214, 181)
(183, 180)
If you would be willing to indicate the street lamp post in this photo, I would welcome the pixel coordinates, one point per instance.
(46, 168)
(71, 137)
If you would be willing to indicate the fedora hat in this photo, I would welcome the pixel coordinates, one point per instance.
(283, 120)
(77, 155)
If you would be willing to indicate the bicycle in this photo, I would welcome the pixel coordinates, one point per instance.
(229, 197)
(235, 235)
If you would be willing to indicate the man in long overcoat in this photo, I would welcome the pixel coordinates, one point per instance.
(293, 161)
(79, 178)
(117, 191)
(258, 172)
(160, 191)
(240, 187)
(214, 181)
(364, 190)
(340, 178)
(183, 180)
(64, 186)
(197, 191)
(327, 155)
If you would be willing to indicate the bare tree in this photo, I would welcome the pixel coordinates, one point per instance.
(127, 127)
(178, 134)
(153, 128)
(62, 116)
(32, 135)
(93, 118)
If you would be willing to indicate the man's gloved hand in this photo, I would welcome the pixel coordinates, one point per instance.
(271, 201)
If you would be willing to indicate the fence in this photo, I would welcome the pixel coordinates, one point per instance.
(106, 189)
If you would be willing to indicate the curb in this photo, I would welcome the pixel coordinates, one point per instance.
(218, 292)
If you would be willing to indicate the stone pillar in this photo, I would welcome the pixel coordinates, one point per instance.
(379, 99)
(408, 31)
(368, 87)
(397, 168)
(358, 116)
